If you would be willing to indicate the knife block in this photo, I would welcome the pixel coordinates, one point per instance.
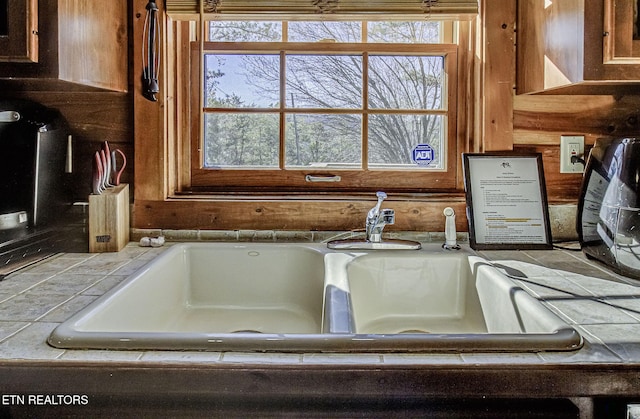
(109, 220)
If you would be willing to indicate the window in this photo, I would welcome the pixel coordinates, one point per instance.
(321, 106)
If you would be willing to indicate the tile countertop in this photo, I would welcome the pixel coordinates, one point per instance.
(603, 306)
(37, 380)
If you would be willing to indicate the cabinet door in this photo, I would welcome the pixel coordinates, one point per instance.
(621, 32)
(19, 30)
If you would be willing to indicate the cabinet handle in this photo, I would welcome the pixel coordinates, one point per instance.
(322, 178)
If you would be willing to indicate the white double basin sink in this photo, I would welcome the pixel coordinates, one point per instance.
(305, 297)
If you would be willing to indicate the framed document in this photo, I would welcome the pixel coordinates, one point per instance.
(506, 201)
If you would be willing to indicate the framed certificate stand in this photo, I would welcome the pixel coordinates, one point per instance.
(506, 201)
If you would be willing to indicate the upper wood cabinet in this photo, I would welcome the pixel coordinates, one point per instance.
(79, 42)
(565, 43)
(19, 31)
(92, 43)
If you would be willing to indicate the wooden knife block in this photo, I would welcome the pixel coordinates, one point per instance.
(109, 220)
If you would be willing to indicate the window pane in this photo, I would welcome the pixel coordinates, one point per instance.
(323, 140)
(241, 140)
(221, 31)
(406, 82)
(324, 81)
(325, 31)
(392, 139)
(242, 81)
(404, 32)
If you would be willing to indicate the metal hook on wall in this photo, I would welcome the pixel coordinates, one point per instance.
(151, 52)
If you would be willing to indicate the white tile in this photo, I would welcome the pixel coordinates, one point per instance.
(5, 296)
(98, 266)
(588, 311)
(261, 358)
(553, 287)
(30, 343)
(623, 339)
(8, 328)
(181, 356)
(68, 309)
(355, 358)
(30, 306)
(422, 359)
(501, 358)
(591, 353)
(100, 355)
(53, 265)
(21, 282)
(603, 287)
(65, 284)
(104, 285)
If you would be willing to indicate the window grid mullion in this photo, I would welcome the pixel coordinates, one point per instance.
(283, 105)
(365, 108)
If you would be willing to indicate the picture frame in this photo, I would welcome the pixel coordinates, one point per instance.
(506, 201)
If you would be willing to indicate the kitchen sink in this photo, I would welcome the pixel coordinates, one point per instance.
(439, 300)
(203, 294)
(306, 297)
(400, 293)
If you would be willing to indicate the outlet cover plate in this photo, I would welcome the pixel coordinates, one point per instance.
(571, 145)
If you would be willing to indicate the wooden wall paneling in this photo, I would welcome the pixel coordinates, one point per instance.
(499, 74)
(588, 115)
(530, 46)
(180, 115)
(335, 215)
(93, 43)
(540, 120)
(149, 120)
(564, 42)
(466, 93)
(561, 187)
(172, 104)
(93, 117)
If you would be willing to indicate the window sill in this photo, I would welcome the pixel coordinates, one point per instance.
(316, 196)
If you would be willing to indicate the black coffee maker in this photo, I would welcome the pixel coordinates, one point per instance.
(608, 219)
(33, 191)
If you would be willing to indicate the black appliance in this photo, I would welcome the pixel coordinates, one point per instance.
(33, 193)
(608, 219)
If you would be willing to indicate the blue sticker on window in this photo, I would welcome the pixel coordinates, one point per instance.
(423, 154)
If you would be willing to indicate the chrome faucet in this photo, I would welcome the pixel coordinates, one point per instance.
(377, 219)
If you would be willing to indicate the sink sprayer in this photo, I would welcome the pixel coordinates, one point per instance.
(450, 241)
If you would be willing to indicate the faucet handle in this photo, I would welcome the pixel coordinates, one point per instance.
(373, 212)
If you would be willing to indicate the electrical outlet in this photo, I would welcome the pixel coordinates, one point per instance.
(571, 145)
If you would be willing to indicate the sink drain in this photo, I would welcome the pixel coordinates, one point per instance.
(246, 331)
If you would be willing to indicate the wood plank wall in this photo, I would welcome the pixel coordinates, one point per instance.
(527, 122)
(498, 75)
(540, 120)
